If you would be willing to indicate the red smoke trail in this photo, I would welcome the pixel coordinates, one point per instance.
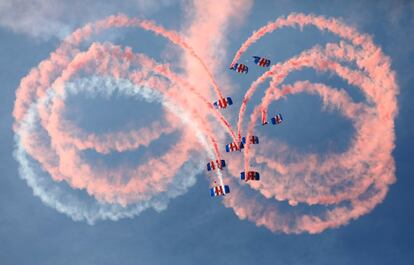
(176, 79)
(300, 20)
(345, 185)
(66, 50)
(352, 183)
(63, 53)
(174, 37)
(106, 185)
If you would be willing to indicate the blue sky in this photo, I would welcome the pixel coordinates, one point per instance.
(195, 229)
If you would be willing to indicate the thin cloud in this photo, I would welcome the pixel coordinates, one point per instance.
(44, 19)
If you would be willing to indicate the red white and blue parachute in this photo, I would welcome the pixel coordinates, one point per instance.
(252, 139)
(231, 147)
(223, 103)
(218, 164)
(277, 119)
(219, 190)
(260, 61)
(251, 175)
(240, 68)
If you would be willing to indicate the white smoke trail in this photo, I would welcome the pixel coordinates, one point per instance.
(72, 202)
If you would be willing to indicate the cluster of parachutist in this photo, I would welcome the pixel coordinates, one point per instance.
(222, 189)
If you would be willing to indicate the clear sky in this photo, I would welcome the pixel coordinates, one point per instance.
(183, 225)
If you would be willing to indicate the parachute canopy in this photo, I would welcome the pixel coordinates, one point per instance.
(231, 147)
(251, 175)
(260, 61)
(277, 119)
(218, 164)
(223, 103)
(240, 68)
(219, 190)
(252, 139)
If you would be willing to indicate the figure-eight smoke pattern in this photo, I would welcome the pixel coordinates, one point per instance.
(344, 186)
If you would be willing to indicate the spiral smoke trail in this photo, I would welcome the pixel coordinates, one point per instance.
(343, 186)
(349, 184)
(55, 144)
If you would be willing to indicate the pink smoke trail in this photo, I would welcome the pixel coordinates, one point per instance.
(300, 20)
(351, 183)
(106, 185)
(215, 20)
(347, 185)
(61, 56)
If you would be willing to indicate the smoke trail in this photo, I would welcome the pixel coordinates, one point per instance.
(334, 188)
(67, 49)
(73, 203)
(347, 185)
(59, 155)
